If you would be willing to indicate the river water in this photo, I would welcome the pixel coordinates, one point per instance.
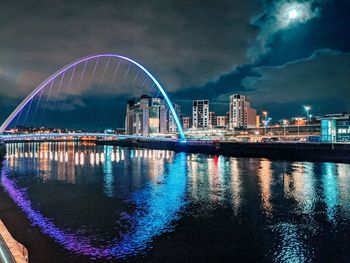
(120, 204)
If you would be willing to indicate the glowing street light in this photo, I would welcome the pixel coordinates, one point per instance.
(307, 109)
(284, 127)
(265, 121)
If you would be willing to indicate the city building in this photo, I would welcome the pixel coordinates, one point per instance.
(149, 116)
(335, 127)
(186, 122)
(200, 114)
(227, 119)
(221, 121)
(171, 124)
(241, 115)
(212, 119)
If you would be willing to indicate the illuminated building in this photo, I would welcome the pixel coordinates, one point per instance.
(186, 122)
(200, 113)
(335, 128)
(212, 119)
(149, 116)
(220, 121)
(241, 115)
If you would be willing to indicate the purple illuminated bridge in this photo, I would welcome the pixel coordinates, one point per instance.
(45, 83)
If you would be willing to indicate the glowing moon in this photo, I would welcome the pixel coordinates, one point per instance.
(293, 14)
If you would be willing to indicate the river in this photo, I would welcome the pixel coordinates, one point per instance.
(106, 203)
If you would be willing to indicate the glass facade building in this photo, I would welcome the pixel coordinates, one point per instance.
(335, 128)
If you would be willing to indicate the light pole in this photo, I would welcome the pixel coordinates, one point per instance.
(265, 121)
(284, 127)
(307, 109)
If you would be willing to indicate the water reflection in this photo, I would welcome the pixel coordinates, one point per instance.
(265, 177)
(287, 203)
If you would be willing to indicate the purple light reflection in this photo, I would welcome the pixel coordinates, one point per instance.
(68, 240)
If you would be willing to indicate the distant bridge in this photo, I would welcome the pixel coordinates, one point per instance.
(52, 136)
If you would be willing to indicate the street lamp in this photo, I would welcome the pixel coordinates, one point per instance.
(284, 127)
(307, 109)
(265, 121)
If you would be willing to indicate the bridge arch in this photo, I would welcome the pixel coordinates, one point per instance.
(78, 61)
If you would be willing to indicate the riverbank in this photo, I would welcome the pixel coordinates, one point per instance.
(313, 152)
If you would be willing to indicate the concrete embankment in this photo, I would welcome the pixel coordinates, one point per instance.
(318, 152)
(10, 249)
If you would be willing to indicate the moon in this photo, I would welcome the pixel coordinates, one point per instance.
(292, 14)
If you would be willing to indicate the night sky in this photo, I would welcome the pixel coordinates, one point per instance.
(283, 54)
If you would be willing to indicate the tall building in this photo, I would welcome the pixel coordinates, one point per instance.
(149, 116)
(241, 115)
(171, 123)
(200, 113)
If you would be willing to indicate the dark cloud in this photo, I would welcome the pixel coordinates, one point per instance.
(197, 49)
(321, 80)
(183, 42)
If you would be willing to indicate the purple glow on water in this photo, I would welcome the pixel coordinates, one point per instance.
(69, 241)
(157, 207)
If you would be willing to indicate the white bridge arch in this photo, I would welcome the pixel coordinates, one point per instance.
(78, 61)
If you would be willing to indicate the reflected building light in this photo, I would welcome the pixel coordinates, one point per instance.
(145, 153)
(293, 183)
(136, 153)
(122, 155)
(26, 154)
(41, 155)
(330, 189)
(97, 158)
(343, 185)
(92, 159)
(236, 188)
(265, 176)
(194, 175)
(46, 155)
(290, 248)
(102, 156)
(31, 155)
(82, 159)
(61, 157)
(51, 155)
(76, 158)
(56, 156)
(112, 157)
(66, 157)
(117, 158)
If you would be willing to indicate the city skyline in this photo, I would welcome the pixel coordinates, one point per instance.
(252, 58)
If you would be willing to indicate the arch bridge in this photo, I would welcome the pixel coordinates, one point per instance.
(72, 66)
